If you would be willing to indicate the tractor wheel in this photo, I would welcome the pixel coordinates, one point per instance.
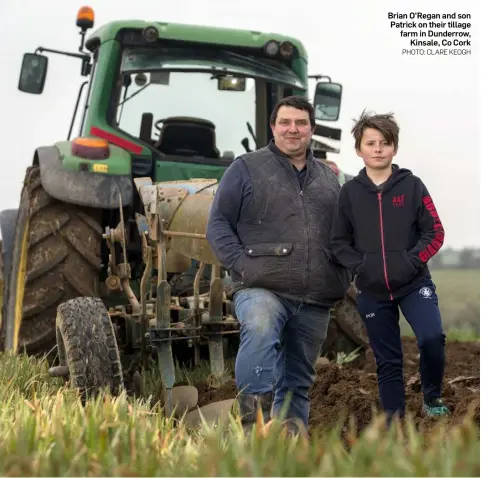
(8, 219)
(87, 346)
(2, 281)
(56, 257)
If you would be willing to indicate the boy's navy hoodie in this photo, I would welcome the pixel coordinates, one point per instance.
(386, 234)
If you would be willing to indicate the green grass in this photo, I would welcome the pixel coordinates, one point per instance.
(44, 431)
(458, 293)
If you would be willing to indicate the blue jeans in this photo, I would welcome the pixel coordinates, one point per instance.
(280, 341)
(381, 317)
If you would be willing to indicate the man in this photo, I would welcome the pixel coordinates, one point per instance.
(270, 224)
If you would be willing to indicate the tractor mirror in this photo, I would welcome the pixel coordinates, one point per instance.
(231, 83)
(327, 101)
(33, 73)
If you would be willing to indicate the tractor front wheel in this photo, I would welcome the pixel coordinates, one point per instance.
(87, 346)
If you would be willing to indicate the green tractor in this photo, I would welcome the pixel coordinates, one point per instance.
(105, 260)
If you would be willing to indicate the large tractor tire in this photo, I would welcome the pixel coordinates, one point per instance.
(8, 219)
(56, 257)
(87, 346)
(1, 283)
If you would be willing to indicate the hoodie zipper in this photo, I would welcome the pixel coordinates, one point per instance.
(379, 197)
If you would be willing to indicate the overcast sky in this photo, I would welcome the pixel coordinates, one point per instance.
(436, 99)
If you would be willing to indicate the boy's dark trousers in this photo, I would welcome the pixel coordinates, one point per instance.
(381, 317)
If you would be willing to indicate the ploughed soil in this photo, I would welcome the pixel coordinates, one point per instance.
(342, 391)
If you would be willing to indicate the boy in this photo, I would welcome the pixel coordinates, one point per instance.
(385, 230)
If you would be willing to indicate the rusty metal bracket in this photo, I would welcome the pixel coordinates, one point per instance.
(144, 319)
(215, 341)
(196, 309)
(163, 319)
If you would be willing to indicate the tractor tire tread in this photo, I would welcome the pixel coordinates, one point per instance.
(87, 345)
(63, 261)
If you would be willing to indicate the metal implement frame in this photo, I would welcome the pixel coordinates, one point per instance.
(154, 316)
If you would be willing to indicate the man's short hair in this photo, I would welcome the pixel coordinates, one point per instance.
(384, 123)
(295, 102)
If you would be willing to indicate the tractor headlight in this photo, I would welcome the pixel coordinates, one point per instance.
(271, 48)
(150, 34)
(286, 49)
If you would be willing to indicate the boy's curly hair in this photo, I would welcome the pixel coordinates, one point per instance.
(384, 123)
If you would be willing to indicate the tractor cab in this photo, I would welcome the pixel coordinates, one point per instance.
(206, 102)
(163, 111)
(181, 93)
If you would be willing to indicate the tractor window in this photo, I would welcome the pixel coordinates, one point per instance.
(149, 101)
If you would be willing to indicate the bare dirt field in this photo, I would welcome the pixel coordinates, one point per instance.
(344, 390)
